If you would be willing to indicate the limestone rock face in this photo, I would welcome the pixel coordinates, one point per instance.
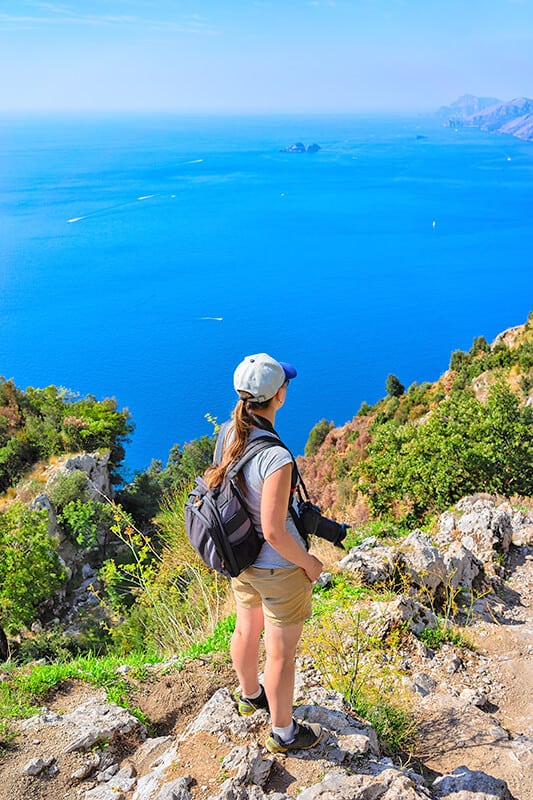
(466, 784)
(423, 562)
(96, 468)
(403, 610)
(374, 563)
(92, 723)
(483, 527)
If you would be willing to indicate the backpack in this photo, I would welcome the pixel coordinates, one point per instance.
(217, 522)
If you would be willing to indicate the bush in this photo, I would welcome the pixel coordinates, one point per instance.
(317, 436)
(66, 488)
(464, 446)
(82, 520)
(30, 570)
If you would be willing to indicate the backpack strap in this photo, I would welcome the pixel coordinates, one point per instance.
(263, 443)
(253, 447)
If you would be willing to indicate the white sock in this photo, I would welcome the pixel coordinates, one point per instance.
(255, 695)
(286, 734)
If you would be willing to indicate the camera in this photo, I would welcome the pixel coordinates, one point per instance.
(312, 522)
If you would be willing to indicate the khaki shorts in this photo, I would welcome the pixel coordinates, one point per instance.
(285, 594)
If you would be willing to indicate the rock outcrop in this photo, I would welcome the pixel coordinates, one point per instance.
(345, 765)
(299, 147)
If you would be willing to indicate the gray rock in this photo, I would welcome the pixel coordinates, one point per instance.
(423, 684)
(95, 722)
(176, 790)
(233, 790)
(96, 467)
(103, 792)
(324, 579)
(522, 526)
(350, 734)
(386, 784)
(462, 567)
(107, 773)
(87, 768)
(150, 783)
(37, 765)
(466, 784)
(403, 609)
(250, 766)
(482, 526)
(375, 564)
(423, 563)
(474, 697)
(218, 715)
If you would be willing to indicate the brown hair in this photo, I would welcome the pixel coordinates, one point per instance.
(243, 420)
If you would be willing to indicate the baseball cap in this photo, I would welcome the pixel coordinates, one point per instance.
(261, 376)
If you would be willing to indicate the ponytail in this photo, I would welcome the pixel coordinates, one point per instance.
(243, 421)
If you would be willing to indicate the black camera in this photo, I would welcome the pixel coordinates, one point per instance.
(313, 522)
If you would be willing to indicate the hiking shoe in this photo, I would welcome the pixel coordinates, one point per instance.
(248, 706)
(306, 735)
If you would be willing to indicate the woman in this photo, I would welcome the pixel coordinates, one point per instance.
(274, 594)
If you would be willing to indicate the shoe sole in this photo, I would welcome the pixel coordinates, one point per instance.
(273, 747)
(247, 711)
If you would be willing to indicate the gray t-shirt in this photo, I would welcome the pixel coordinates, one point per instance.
(255, 473)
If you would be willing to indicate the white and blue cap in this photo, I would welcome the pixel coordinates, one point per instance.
(261, 376)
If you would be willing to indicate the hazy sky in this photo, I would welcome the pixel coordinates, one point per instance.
(262, 55)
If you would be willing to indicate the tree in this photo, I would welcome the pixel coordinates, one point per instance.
(393, 387)
(317, 436)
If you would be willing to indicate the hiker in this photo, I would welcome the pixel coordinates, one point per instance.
(274, 594)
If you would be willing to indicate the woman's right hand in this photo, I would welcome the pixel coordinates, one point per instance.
(313, 568)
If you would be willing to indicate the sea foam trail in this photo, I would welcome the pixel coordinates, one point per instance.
(196, 161)
(108, 209)
(214, 319)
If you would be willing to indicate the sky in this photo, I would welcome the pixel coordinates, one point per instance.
(261, 56)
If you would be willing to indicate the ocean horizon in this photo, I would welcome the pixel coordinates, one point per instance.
(142, 256)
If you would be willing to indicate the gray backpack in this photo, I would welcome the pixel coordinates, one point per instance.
(217, 522)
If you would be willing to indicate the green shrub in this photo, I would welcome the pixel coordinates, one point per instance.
(30, 570)
(67, 488)
(317, 436)
(82, 520)
(462, 447)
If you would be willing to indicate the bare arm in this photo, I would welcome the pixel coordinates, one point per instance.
(274, 504)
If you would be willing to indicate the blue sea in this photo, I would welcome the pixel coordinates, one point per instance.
(143, 256)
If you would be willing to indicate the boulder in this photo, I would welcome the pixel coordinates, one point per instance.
(422, 562)
(466, 784)
(374, 563)
(481, 526)
(388, 616)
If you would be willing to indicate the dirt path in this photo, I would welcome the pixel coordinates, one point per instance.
(498, 737)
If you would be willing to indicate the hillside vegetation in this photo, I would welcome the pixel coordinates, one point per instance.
(417, 451)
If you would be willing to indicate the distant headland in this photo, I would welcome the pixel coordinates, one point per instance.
(514, 117)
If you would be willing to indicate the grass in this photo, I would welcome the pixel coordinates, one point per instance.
(445, 633)
(218, 642)
(26, 686)
(385, 532)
